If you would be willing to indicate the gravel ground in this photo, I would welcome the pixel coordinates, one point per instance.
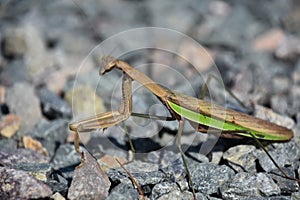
(49, 61)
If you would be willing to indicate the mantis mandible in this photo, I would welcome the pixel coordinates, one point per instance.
(198, 112)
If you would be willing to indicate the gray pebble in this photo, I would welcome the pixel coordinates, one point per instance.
(17, 184)
(52, 105)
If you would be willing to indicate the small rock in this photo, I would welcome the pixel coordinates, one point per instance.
(89, 181)
(14, 43)
(51, 134)
(84, 101)
(174, 194)
(176, 171)
(2, 94)
(200, 57)
(286, 186)
(143, 173)
(57, 196)
(279, 103)
(38, 61)
(12, 158)
(163, 188)
(9, 125)
(22, 101)
(269, 41)
(123, 191)
(291, 19)
(289, 48)
(40, 171)
(107, 162)
(189, 196)
(216, 157)
(58, 183)
(267, 114)
(285, 154)
(17, 184)
(13, 72)
(53, 106)
(241, 158)
(30, 143)
(208, 177)
(111, 141)
(220, 8)
(295, 196)
(8, 145)
(251, 186)
(294, 104)
(65, 156)
(281, 84)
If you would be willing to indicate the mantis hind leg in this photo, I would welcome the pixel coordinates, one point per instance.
(179, 133)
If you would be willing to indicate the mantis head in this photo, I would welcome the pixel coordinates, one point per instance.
(107, 64)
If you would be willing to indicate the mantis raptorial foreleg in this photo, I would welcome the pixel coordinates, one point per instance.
(108, 119)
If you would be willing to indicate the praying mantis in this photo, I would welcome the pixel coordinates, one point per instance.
(198, 112)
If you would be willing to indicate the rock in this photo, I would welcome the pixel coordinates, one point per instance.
(291, 20)
(241, 158)
(9, 125)
(202, 59)
(295, 196)
(289, 48)
(174, 194)
(38, 61)
(107, 162)
(17, 184)
(30, 143)
(13, 72)
(84, 101)
(58, 183)
(144, 173)
(111, 141)
(65, 156)
(8, 145)
(89, 181)
(279, 103)
(22, 100)
(14, 43)
(267, 114)
(208, 177)
(161, 190)
(223, 28)
(269, 41)
(57, 196)
(251, 186)
(123, 191)
(286, 185)
(281, 84)
(12, 158)
(53, 106)
(51, 134)
(171, 20)
(41, 171)
(285, 154)
(216, 157)
(2, 94)
(294, 104)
